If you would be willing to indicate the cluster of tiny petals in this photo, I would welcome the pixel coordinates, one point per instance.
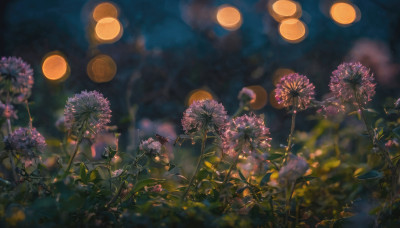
(27, 142)
(19, 77)
(87, 108)
(204, 115)
(294, 169)
(350, 80)
(247, 132)
(295, 88)
(247, 95)
(150, 146)
(7, 111)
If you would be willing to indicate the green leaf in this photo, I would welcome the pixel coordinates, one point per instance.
(242, 176)
(82, 173)
(371, 175)
(275, 156)
(209, 154)
(202, 174)
(265, 179)
(94, 176)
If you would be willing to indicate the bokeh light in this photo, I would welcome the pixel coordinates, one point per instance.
(279, 73)
(108, 29)
(273, 101)
(229, 17)
(197, 95)
(343, 13)
(101, 68)
(261, 97)
(55, 66)
(283, 9)
(105, 9)
(292, 30)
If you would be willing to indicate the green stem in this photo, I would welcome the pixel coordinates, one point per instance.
(79, 140)
(239, 111)
(289, 189)
(293, 124)
(115, 197)
(203, 144)
(10, 154)
(231, 168)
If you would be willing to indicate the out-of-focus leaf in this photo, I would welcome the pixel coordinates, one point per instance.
(209, 154)
(82, 173)
(371, 175)
(242, 176)
(265, 179)
(94, 176)
(241, 190)
(275, 156)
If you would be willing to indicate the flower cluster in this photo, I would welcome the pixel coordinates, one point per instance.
(294, 90)
(16, 79)
(246, 96)
(88, 111)
(352, 83)
(151, 147)
(295, 168)
(26, 142)
(246, 133)
(7, 111)
(204, 116)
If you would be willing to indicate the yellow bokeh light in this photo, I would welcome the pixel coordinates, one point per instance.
(273, 101)
(229, 17)
(292, 30)
(279, 73)
(284, 8)
(198, 95)
(105, 9)
(108, 29)
(261, 97)
(101, 68)
(343, 13)
(54, 66)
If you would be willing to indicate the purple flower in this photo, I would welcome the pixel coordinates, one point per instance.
(7, 111)
(204, 115)
(294, 169)
(16, 79)
(294, 88)
(352, 83)
(27, 142)
(246, 95)
(150, 147)
(246, 133)
(397, 104)
(87, 110)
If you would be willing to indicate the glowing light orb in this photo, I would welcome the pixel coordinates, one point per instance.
(108, 29)
(343, 13)
(229, 17)
(105, 9)
(101, 68)
(285, 8)
(273, 101)
(292, 30)
(261, 97)
(198, 95)
(54, 67)
(279, 73)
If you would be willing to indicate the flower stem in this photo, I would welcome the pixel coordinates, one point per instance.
(289, 189)
(293, 124)
(203, 145)
(79, 140)
(231, 168)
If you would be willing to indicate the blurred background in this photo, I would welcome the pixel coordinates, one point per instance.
(151, 59)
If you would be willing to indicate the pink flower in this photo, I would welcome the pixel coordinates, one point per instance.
(246, 133)
(352, 83)
(7, 111)
(204, 115)
(16, 79)
(246, 95)
(294, 88)
(151, 147)
(89, 110)
(294, 169)
(27, 142)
